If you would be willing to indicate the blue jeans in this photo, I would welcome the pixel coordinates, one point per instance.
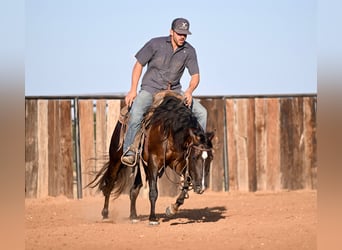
(141, 104)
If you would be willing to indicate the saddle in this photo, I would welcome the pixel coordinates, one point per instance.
(139, 138)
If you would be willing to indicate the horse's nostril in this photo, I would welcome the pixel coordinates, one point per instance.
(198, 189)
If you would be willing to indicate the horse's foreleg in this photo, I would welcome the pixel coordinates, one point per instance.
(153, 195)
(173, 209)
(134, 192)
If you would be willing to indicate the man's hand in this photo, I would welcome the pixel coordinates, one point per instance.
(132, 94)
(188, 98)
(192, 86)
(130, 98)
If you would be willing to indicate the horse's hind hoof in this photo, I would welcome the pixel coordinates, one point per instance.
(154, 223)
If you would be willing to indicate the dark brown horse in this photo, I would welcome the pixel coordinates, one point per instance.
(171, 137)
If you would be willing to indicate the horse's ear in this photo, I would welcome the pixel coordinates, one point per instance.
(193, 135)
(210, 135)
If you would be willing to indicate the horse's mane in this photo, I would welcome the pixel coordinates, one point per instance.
(173, 117)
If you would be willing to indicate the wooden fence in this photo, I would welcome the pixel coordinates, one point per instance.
(260, 143)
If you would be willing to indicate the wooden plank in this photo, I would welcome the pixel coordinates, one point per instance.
(291, 133)
(87, 149)
(113, 113)
(53, 147)
(273, 175)
(310, 144)
(101, 135)
(299, 159)
(261, 142)
(231, 145)
(65, 161)
(286, 142)
(299, 145)
(31, 149)
(241, 141)
(43, 157)
(60, 149)
(251, 145)
(314, 167)
(215, 122)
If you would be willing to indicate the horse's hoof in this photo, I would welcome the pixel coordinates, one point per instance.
(106, 220)
(169, 212)
(134, 221)
(154, 223)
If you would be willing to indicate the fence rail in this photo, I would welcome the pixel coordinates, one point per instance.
(261, 143)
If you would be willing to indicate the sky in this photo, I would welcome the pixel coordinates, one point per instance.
(245, 47)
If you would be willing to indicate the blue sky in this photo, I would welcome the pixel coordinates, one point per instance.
(244, 47)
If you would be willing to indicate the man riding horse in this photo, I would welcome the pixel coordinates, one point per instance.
(170, 137)
(166, 59)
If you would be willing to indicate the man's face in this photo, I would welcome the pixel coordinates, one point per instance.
(179, 39)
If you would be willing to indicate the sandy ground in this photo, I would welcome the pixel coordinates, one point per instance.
(261, 220)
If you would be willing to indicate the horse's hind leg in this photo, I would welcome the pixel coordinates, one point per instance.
(133, 194)
(105, 207)
(109, 180)
(106, 193)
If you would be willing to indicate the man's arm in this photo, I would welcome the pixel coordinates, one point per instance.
(136, 73)
(194, 81)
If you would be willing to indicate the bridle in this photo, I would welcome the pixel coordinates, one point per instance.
(186, 183)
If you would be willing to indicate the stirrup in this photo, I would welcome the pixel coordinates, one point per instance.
(135, 158)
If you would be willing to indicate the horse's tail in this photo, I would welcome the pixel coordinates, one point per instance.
(112, 177)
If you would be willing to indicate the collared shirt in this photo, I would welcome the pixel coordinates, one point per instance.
(165, 67)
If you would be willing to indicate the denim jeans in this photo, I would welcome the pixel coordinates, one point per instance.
(141, 104)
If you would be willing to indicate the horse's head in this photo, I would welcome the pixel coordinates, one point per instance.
(200, 158)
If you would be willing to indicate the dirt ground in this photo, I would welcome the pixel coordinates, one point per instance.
(232, 220)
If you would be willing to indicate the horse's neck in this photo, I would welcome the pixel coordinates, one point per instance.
(178, 165)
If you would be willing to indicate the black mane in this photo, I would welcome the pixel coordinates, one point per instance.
(174, 118)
